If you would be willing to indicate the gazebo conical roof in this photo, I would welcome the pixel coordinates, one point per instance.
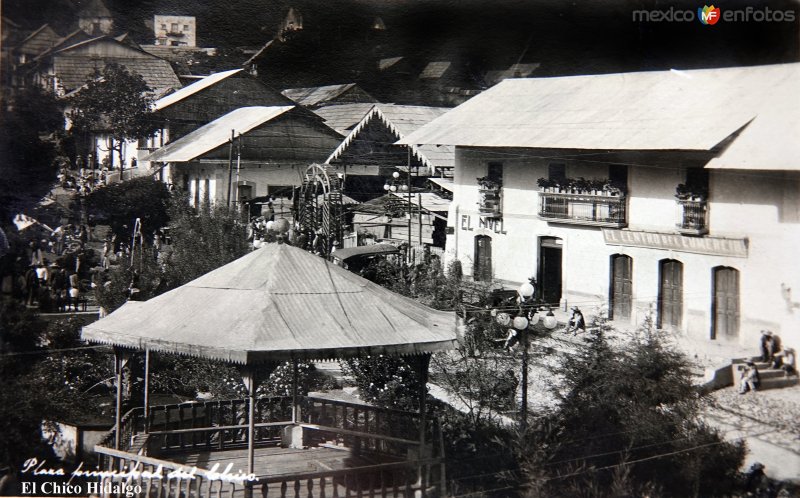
(277, 303)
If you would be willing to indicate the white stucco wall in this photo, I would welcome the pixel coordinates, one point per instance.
(761, 208)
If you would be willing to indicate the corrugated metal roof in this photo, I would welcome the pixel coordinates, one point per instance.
(435, 70)
(403, 120)
(384, 64)
(666, 110)
(772, 140)
(193, 89)
(316, 94)
(519, 70)
(343, 117)
(276, 303)
(431, 201)
(372, 250)
(445, 183)
(216, 133)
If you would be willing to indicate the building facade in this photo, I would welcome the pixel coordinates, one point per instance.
(175, 31)
(641, 207)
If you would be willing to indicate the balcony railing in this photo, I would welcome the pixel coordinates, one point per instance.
(583, 209)
(694, 217)
(490, 204)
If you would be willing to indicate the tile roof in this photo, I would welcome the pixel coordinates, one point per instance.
(277, 303)
(193, 89)
(343, 117)
(74, 70)
(664, 110)
(216, 133)
(404, 120)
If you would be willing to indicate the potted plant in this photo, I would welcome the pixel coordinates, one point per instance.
(688, 192)
(486, 183)
(545, 184)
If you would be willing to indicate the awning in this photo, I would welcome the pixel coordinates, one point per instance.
(373, 250)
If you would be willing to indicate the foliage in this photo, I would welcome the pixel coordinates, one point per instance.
(386, 381)
(202, 240)
(42, 379)
(120, 204)
(114, 101)
(27, 168)
(628, 421)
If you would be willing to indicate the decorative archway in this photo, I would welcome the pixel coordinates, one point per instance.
(319, 206)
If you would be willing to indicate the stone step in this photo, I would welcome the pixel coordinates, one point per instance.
(777, 382)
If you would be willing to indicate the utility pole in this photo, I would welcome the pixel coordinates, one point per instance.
(238, 165)
(408, 165)
(230, 167)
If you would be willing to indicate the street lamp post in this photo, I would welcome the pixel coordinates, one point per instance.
(527, 317)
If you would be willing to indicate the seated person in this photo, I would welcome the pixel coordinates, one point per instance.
(786, 361)
(750, 378)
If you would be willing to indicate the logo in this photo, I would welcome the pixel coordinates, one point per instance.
(708, 15)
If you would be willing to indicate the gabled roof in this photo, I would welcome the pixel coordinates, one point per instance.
(277, 303)
(343, 117)
(403, 120)
(665, 110)
(318, 95)
(193, 89)
(71, 39)
(384, 64)
(43, 38)
(216, 133)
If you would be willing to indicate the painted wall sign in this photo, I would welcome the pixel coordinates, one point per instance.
(672, 242)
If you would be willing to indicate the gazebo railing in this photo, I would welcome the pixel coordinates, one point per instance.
(160, 478)
(130, 423)
(216, 424)
(361, 427)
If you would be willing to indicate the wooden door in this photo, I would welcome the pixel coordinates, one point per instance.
(550, 269)
(483, 258)
(670, 294)
(621, 287)
(725, 303)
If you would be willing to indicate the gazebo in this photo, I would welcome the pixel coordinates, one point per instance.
(276, 304)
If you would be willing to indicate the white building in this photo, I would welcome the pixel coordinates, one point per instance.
(704, 228)
(175, 31)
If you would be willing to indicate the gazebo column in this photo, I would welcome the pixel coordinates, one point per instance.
(121, 357)
(249, 377)
(421, 364)
(147, 390)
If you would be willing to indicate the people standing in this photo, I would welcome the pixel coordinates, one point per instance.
(768, 346)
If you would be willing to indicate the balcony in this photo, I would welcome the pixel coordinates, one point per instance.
(694, 217)
(603, 210)
(490, 205)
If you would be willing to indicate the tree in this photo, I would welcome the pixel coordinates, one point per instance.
(121, 204)
(114, 101)
(627, 425)
(27, 169)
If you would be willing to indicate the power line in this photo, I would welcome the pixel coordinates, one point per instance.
(48, 351)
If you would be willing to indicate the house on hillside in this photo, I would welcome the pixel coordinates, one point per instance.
(272, 147)
(368, 156)
(613, 190)
(95, 18)
(175, 31)
(315, 97)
